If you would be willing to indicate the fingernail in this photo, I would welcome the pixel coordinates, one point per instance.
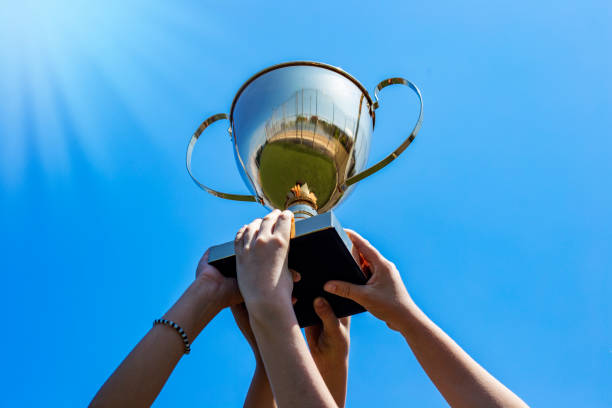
(319, 303)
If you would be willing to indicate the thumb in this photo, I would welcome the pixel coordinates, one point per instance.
(346, 290)
(326, 314)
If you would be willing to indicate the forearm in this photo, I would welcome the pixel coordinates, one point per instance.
(460, 379)
(335, 379)
(260, 394)
(291, 369)
(143, 373)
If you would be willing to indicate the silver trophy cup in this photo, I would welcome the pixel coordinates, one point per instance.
(301, 133)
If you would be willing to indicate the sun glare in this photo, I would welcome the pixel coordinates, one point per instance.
(49, 53)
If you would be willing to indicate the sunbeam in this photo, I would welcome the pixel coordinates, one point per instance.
(59, 57)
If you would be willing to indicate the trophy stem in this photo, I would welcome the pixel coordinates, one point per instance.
(302, 210)
(301, 201)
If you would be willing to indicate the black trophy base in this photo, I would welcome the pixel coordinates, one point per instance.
(320, 252)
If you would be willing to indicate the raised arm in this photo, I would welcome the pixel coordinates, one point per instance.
(329, 346)
(266, 285)
(460, 379)
(143, 373)
(259, 394)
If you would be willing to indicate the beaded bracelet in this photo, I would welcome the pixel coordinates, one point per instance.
(178, 328)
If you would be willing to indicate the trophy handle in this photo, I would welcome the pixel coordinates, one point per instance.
(192, 142)
(405, 143)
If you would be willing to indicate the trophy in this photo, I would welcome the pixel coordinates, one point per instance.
(301, 133)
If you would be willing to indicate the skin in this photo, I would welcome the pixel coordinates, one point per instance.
(266, 285)
(329, 345)
(460, 379)
(259, 394)
(143, 373)
(298, 379)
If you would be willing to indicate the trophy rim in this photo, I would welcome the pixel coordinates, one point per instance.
(300, 63)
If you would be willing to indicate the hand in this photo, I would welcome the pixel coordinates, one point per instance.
(261, 261)
(226, 288)
(241, 316)
(329, 346)
(384, 295)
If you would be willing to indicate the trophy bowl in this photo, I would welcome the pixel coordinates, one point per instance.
(301, 133)
(301, 124)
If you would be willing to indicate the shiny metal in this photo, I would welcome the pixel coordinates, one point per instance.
(303, 123)
(373, 169)
(302, 211)
(192, 142)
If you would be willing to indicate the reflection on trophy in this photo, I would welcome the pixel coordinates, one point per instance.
(301, 134)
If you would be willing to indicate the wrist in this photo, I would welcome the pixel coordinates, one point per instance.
(266, 313)
(195, 308)
(411, 321)
(404, 315)
(220, 292)
(208, 295)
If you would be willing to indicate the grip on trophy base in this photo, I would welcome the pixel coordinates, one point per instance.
(320, 252)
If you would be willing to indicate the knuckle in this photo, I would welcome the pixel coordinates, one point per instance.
(254, 225)
(261, 241)
(277, 241)
(237, 245)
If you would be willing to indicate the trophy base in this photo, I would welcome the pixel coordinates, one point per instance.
(320, 251)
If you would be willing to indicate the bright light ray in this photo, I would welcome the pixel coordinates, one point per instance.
(49, 52)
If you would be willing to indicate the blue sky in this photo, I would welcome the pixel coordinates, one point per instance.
(498, 215)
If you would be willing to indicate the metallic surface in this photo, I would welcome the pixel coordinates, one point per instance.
(192, 142)
(302, 211)
(302, 123)
(405, 143)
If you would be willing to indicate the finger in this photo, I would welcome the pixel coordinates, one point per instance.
(202, 263)
(347, 290)
(283, 224)
(293, 300)
(346, 322)
(370, 253)
(355, 252)
(205, 256)
(331, 324)
(267, 224)
(204, 266)
(238, 238)
(250, 232)
(296, 275)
